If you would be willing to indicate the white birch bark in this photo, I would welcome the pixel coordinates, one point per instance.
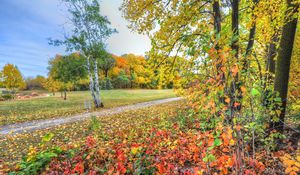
(91, 82)
(96, 75)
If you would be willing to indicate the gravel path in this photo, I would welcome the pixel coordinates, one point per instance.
(42, 124)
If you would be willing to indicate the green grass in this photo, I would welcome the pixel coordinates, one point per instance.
(53, 106)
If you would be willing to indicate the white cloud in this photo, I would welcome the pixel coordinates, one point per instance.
(124, 41)
(28, 23)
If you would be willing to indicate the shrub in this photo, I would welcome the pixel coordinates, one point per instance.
(122, 81)
(106, 84)
(7, 96)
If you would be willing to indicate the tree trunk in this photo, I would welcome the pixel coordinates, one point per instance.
(271, 58)
(235, 27)
(65, 95)
(96, 85)
(271, 54)
(217, 30)
(106, 73)
(283, 62)
(217, 21)
(91, 81)
(270, 72)
(250, 40)
(235, 84)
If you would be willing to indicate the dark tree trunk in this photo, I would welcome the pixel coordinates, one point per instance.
(217, 33)
(235, 84)
(235, 27)
(270, 62)
(217, 29)
(250, 40)
(217, 20)
(106, 73)
(270, 72)
(65, 95)
(283, 63)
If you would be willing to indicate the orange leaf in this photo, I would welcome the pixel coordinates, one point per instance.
(227, 100)
(234, 70)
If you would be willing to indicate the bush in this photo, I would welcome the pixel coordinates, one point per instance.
(122, 81)
(7, 96)
(106, 84)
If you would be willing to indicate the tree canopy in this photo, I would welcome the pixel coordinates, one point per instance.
(12, 77)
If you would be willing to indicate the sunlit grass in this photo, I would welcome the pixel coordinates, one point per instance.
(54, 106)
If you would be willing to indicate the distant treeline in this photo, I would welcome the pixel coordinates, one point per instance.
(68, 73)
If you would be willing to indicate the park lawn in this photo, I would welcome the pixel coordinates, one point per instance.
(53, 106)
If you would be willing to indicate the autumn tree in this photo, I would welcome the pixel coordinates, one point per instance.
(106, 63)
(35, 83)
(52, 85)
(1, 79)
(137, 65)
(230, 48)
(88, 35)
(67, 69)
(284, 60)
(12, 77)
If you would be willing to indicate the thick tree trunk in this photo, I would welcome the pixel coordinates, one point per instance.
(283, 63)
(96, 85)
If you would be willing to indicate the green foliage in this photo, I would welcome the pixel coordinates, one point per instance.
(106, 62)
(87, 22)
(94, 124)
(106, 84)
(7, 96)
(35, 162)
(122, 81)
(68, 69)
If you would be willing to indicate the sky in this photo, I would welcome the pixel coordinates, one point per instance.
(26, 25)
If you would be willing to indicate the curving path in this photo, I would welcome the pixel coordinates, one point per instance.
(42, 124)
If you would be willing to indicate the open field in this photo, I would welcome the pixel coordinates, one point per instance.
(53, 106)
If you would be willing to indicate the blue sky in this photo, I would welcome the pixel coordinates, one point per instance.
(26, 24)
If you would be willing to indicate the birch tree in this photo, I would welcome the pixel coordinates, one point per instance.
(88, 35)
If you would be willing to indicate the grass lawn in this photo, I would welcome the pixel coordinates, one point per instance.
(53, 106)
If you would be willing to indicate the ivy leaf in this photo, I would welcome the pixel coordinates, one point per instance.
(47, 137)
(209, 158)
(254, 92)
(217, 142)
